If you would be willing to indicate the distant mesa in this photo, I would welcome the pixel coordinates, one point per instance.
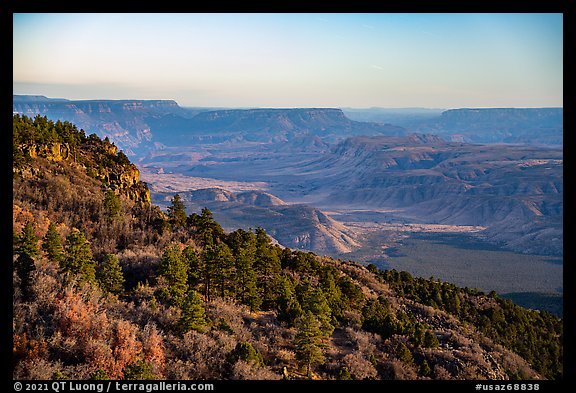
(138, 126)
(542, 126)
(498, 125)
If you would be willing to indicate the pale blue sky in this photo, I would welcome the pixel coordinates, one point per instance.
(294, 60)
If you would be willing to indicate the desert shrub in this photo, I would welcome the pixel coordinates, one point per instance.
(440, 372)
(401, 370)
(153, 348)
(243, 370)
(358, 366)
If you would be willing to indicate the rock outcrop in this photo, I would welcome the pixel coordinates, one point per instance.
(54, 152)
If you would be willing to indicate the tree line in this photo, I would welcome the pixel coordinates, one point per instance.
(537, 336)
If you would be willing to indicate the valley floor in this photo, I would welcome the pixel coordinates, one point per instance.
(391, 239)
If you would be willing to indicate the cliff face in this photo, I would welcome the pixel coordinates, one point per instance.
(122, 178)
(498, 125)
(136, 125)
(125, 180)
(265, 125)
(54, 152)
(123, 121)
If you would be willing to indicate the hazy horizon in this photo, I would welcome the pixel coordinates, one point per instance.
(358, 61)
(404, 108)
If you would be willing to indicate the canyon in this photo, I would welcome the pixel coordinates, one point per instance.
(316, 180)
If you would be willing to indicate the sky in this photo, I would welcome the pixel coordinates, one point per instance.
(294, 60)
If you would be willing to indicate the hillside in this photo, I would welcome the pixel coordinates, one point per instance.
(108, 286)
(515, 191)
(295, 226)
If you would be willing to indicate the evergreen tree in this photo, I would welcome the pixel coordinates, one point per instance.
(174, 270)
(208, 230)
(78, 259)
(110, 276)
(245, 275)
(313, 299)
(122, 159)
(52, 244)
(378, 319)
(287, 304)
(352, 295)
(332, 293)
(246, 352)
(425, 369)
(193, 313)
(305, 262)
(208, 275)
(223, 272)
(403, 353)
(418, 334)
(27, 251)
(195, 266)
(112, 206)
(238, 239)
(267, 265)
(177, 212)
(309, 342)
(139, 370)
(430, 340)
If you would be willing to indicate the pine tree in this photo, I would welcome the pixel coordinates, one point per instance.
(224, 264)
(309, 342)
(246, 352)
(193, 313)
(403, 353)
(112, 206)
(52, 244)
(174, 270)
(287, 304)
(110, 276)
(209, 272)
(195, 266)
(78, 259)
(351, 293)
(425, 369)
(332, 293)
(267, 265)
(430, 340)
(314, 300)
(139, 370)
(27, 251)
(418, 334)
(208, 230)
(177, 212)
(245, 275)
